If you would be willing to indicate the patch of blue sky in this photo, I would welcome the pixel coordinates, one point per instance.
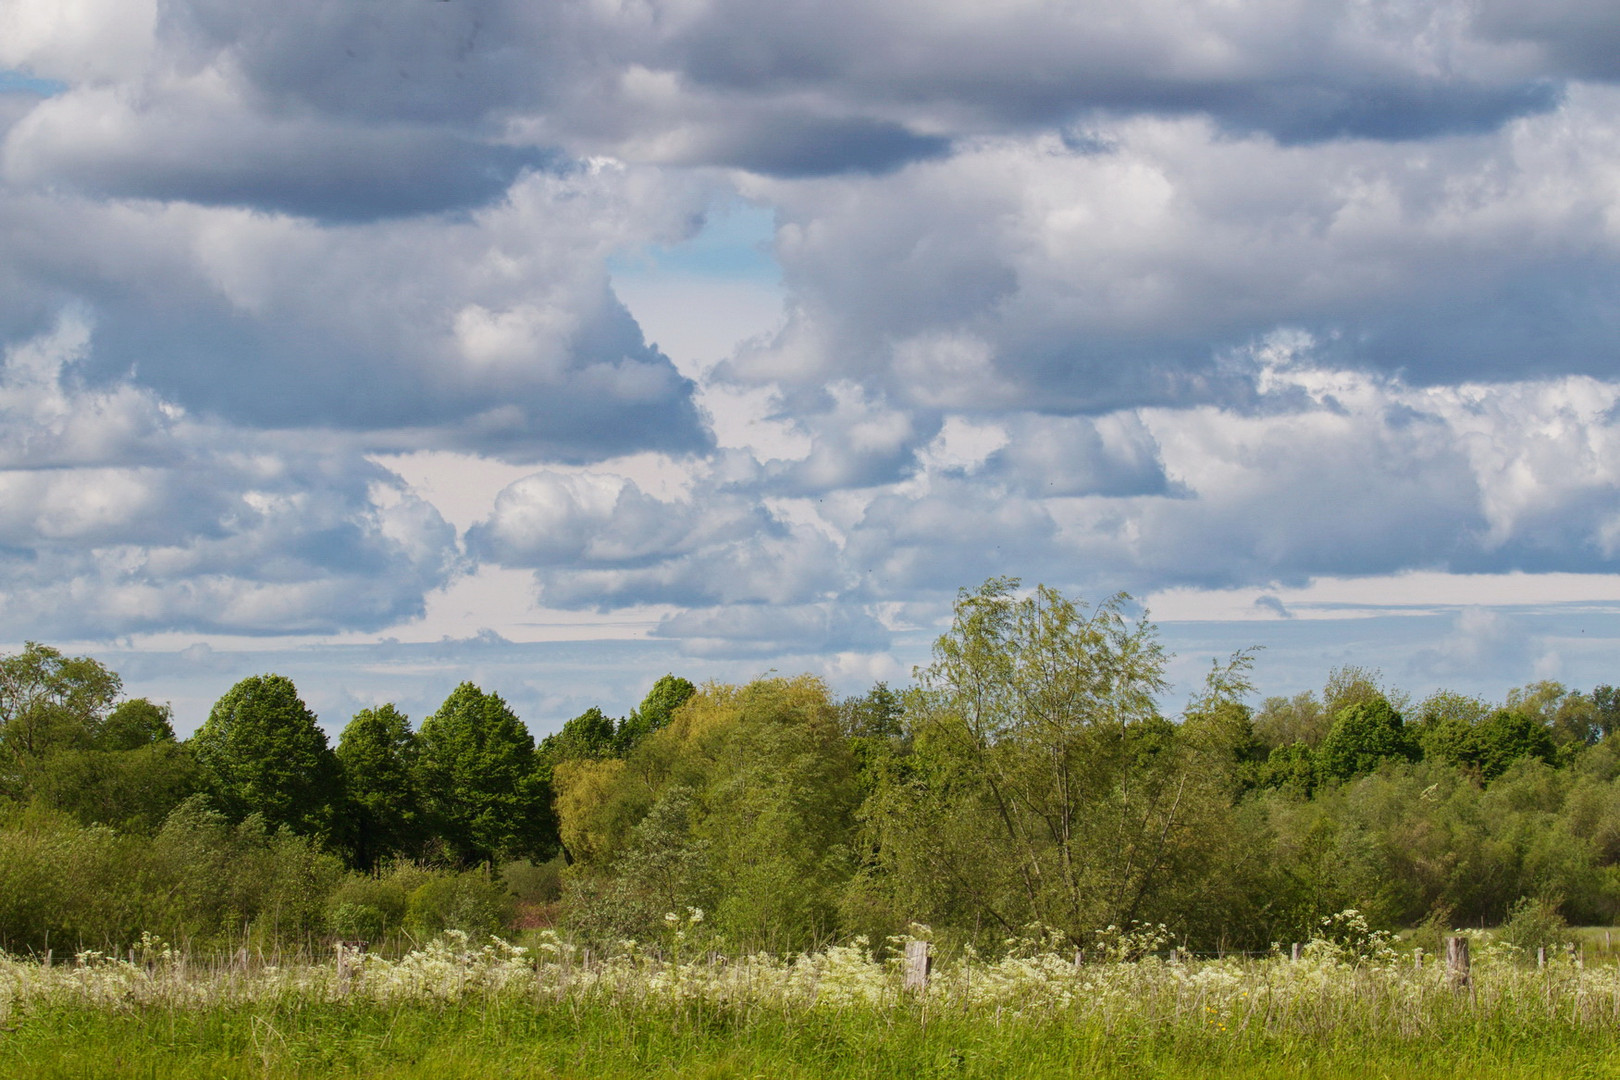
(734, 243)
(20, 82)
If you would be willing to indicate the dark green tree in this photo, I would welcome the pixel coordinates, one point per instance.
(588, 736)
(136, 723)
(1363, 737)
(262, 752)
(133, 790)
(1506, 737)
(667, 694)
(377, 754)
(476, 772)
(1291, 769)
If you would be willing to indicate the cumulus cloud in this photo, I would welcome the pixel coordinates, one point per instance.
(125, 514)
(496, 332)
(1105, 294)
(1023, 272)
(1328, 472)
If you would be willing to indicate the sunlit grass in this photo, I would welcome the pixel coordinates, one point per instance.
(454, 1009)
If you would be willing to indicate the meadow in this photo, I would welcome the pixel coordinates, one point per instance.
(456, 1008)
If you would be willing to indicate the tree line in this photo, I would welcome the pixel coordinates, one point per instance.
(1027, 782)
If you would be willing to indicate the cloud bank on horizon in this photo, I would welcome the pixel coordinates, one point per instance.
(1159, 296)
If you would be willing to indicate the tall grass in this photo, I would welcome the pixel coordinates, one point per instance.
(457, 1009)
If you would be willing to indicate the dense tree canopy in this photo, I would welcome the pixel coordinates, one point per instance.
(1026, 783)
(476, 768)
(377, 754)
(262, 752)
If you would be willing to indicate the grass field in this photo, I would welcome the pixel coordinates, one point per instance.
(452, 1010)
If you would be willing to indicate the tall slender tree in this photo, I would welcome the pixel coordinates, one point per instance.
(377, 753)
(476, 772)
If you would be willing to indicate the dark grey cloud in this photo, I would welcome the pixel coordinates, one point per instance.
(327, 171)
(1578, 39)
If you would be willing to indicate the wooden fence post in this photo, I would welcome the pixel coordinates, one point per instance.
(918, 965)
(1294, 956)
(1457, 962)
(1541, 957)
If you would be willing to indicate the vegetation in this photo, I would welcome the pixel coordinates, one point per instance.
(1027, 779)
(453, 1008)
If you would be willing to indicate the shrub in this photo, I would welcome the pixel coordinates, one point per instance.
(1534, 924)
(471, 902)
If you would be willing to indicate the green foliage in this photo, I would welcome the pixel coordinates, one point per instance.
(1467, 732)
(135, 724)
(530, 882)
(1362, 738)
(1291, 768)
(1606, 710)
(377, 755)
(48, 702)
(669, 693)
(587, 737)
(1042, 786)
(476, 773)
(1284, 721)
(367, 908)
(133, 790)
(1534, 923)
(199, 880)
(262, 753)
(471, 902)
(742, 805)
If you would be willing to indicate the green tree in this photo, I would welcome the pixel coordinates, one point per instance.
(1506, 737)
(1363, 737)
(262, 752)
(133, 790)
(49, 702)
(1284, 721)
(377, 754)
(136, 723)
(588, 736)
(742, 805)
(667, 694)
(476, 772)
(1606, 707)
(1043, 785)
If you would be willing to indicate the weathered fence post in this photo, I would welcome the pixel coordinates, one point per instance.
(1541, 957)
(1294, 955)
(1457, 962)
(918, 965)
(1079, 959)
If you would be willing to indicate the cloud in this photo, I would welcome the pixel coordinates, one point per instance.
(199, 145)
(125, 514)
(759, 630)
(1090, 280)
(496, 332)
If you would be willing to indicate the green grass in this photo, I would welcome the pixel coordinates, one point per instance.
(519, 1038)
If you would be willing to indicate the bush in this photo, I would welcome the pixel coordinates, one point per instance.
(534, 883)
(366, 908)
(1534, 924)
(471, 902)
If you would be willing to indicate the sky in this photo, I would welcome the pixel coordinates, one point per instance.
(560, 345)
